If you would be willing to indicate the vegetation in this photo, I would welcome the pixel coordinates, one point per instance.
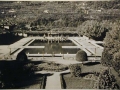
(104, 4)
(52, 66)
(107, 81)
(12, 73)
(94, 29)
(111, 53)
(64, 14)
(21, 57)
(75, 70)
(77, 82)
(81, 56)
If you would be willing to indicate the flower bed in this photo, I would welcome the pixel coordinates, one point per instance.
(52, 66)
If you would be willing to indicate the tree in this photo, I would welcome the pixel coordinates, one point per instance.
(93, 29)
(111, 53)
(81, 56)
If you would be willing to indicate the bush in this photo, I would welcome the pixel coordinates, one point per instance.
(107, 81)
(75, 70)
(21, 57)
(81, 56)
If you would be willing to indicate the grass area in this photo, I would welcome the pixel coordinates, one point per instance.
(77, 82)
(93, 67)
(88, 79)
(36, 82)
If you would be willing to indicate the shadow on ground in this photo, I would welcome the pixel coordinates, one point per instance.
(14, 74)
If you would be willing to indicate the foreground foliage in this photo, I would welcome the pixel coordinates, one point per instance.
(107, 81)
(111, 53)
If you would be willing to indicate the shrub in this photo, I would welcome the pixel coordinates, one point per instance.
(29, 69)
(107, 81)
(21, 57)
(75, 70)
(81, 56)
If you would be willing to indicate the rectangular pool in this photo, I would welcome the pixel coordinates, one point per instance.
(52, 47)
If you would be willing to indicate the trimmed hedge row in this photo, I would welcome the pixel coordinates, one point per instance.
(63, 84)
(61, 80)
(107, 81)
(42, 84)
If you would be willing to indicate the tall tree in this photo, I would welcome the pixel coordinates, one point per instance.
(111, 53)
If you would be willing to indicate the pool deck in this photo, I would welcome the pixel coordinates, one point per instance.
(89, 46)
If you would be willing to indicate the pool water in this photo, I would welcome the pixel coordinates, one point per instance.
(53, 43)
(53, 47)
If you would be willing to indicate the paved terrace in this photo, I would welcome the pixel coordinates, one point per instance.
(89, 45)
(6, 49)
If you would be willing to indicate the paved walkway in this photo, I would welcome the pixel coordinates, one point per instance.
(90, 45)
(5, 49)
(53, 81)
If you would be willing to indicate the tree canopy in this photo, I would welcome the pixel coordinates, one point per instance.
(111, 53)
(93, 29)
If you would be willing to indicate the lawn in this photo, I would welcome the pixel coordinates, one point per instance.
(88, 79)
(93, 67)
(36, 82)
(78, 83)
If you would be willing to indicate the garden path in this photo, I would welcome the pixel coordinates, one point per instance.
(53, 81)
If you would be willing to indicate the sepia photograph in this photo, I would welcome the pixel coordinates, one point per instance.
(60, 44)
